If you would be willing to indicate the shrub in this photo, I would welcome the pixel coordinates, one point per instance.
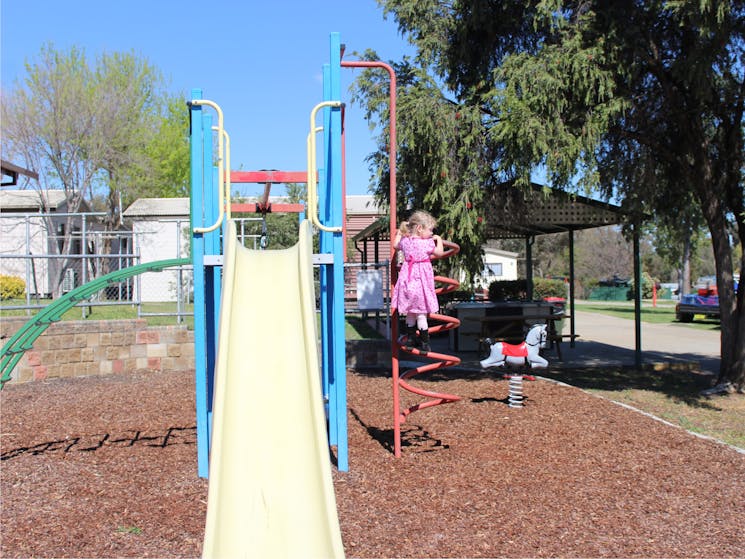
(543, 288)
(11, 287)
(648, 283)
(508, 290)
(516, 290)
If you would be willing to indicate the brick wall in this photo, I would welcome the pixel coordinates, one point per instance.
(101, 347)
(105, 347)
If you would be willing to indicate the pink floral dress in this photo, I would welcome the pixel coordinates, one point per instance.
(414, 292)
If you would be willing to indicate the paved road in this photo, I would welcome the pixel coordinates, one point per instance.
(610, 340)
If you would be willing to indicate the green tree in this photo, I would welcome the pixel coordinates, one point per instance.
(641, 102)
(444, 157)
(168, 153)
(104, 133)
(47, 124)
(126, 109)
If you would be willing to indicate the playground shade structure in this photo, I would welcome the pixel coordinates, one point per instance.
(271, 492)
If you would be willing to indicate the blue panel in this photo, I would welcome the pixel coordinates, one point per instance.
(210, 215)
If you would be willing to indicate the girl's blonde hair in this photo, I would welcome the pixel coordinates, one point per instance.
(419, 217)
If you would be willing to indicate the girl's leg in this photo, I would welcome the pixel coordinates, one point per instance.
(421, 322)
(411, 320)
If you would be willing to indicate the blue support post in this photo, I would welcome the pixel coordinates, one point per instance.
(198, 191)
(324, 275)
(332, 134)
(214, 276)
(326, 247)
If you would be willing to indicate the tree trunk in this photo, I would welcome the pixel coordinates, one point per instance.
(731, 312)
(685, 279)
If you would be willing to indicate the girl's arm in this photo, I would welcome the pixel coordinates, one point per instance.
(439, 248)
(399, 235)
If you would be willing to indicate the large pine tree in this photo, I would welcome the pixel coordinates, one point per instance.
(641, 102)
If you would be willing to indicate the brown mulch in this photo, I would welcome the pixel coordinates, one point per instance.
(106, 467)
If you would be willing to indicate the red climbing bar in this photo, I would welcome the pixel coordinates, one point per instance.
(279, 177)
(439, 360)
(270, 208)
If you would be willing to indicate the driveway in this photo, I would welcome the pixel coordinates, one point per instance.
(608, 340)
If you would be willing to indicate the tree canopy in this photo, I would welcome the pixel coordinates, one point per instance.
(104, 132)
(641, 103)
(97, 130)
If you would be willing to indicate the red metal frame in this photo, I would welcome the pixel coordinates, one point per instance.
(257, 207)
(392, 232)
(275, 177)
(268, 178)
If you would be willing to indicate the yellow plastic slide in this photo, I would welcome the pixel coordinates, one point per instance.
(271, 492)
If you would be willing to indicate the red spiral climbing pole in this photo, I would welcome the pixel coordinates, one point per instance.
(439, 360)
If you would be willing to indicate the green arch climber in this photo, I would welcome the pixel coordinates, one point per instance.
(26, 336)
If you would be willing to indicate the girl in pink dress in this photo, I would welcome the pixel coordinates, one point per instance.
(414, 294)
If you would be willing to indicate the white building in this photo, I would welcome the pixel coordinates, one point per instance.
(161, 231)
(499, 265)
(26, 230)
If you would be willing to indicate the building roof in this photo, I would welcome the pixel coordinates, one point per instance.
(361, 204)
(28, 200)
(155, 207)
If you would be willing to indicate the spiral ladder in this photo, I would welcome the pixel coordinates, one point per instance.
(439, 360)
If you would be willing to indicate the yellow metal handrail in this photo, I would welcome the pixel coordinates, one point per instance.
(312, 183)
(220, 165)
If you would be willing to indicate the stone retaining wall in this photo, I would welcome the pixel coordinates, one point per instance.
(101, 347)
(105, 347)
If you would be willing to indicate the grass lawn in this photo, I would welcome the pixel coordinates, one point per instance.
(355, 327)
(672, 395)
(664, 312)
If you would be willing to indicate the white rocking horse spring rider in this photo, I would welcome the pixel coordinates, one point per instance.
(519, 355)
(527, 352)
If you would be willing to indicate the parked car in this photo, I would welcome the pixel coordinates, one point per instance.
(704, 301)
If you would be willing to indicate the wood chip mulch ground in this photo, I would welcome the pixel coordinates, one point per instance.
(106, 467)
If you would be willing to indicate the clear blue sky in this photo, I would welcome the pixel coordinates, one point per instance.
(260, 61)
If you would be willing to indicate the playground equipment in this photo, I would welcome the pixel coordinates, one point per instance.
(439, 360)
(527, 352)
(270, 486)
(519, 356)
(25, 337)
(261, 424)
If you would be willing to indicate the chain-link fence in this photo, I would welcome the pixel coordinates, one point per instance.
(53, 254)
(50, 255)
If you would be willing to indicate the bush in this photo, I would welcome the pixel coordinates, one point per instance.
(11, 287)
(543, 288)
(516, 290)
(458, 295)
(648, 283)
(508, 290)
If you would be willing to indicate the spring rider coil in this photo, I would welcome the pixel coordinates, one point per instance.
(515, 394)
